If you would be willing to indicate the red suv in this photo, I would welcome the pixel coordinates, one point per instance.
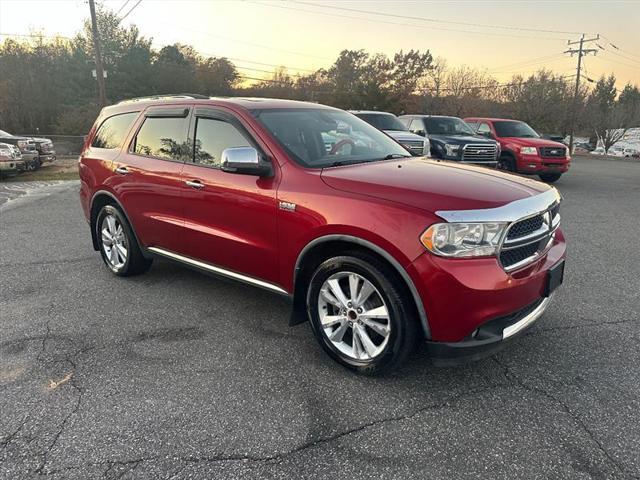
(378, 249)
(523, 151)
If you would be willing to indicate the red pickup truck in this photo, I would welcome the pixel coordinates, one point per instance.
(523, 151)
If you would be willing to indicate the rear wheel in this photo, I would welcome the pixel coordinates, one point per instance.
(550, 177)
(359, 315)
(118, 245)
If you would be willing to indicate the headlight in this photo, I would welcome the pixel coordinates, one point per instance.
(528, 150)
(426, 148)
(452, 150)
(463, 239)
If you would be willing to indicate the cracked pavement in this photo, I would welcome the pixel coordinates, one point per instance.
(176, 375)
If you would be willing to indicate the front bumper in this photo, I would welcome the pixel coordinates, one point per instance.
(48, 157)
(535, 164)
(12, 167)
(29, 157)
(461, 295)
(489, 338)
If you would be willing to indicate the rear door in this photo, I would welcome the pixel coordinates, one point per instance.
(230, 219)
(148, 176)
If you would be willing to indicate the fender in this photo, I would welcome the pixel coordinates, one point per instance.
(296, 313)
(94, 237)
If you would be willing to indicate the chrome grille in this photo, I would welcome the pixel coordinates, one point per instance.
(479, 153)
(529, 238)
(414, 146)
(552, 152)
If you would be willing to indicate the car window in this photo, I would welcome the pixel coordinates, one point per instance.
(514, 128)
(447, 126)
(416, 125)
(163, 137)
(212, 137)
(382, 121)
(113, 131)
(319, 138)
(472, 125)
(484, 128)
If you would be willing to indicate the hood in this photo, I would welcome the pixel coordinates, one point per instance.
(402, 135)
(432, 185)
(461, 139)
(535, 142)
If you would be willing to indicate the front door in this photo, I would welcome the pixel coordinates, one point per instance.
(230, 219)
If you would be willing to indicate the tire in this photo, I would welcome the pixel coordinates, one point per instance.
(507, 163)
(550, 177)
(126, 258)
(382, 352)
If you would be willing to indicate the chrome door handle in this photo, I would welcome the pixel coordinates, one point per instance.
(122, 171)
(195, 184)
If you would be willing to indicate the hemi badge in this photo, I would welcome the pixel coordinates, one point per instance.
(291, 207)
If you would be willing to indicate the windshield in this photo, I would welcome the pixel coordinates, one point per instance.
(514, 129)
(319, 138)
(447, 126)
(383, 121)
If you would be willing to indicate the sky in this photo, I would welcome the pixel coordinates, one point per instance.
(308, 34)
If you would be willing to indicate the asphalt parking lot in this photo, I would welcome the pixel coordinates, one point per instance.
(174, 374)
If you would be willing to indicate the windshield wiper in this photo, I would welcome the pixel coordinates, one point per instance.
(395, 155)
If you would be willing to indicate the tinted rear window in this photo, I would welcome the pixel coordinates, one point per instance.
(163, 137)
(113, 131)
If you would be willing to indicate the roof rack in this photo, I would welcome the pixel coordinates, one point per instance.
(167, 96)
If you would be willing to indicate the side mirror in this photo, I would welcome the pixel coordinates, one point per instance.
(422, 133)
(245, 161)
(486, 134)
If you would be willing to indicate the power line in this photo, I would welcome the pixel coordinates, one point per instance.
(617, 54)
(424, 27)
(123, 5)
(617, 61)
(528, 63)
(131, 10)
(33, 35)
(436, 20)
(620, 49)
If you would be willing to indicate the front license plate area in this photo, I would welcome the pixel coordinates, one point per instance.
(554, 278)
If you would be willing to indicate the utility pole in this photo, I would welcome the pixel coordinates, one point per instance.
(581, 52)
(102, 96)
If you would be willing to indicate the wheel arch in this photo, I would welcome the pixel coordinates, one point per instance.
(99, 200)
(322, 248)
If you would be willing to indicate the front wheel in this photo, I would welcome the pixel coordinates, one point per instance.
(360, 316)
(550, 177)
(118, 245)
(507, 163)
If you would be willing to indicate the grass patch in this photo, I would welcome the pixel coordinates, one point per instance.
(42, 175)
(64, 171)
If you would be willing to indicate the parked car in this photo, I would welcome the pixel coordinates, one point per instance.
(452, 139)
(387, 122)
(376, 248)
(46, 151)
(27, 149)
(10, 160)
(523, 151)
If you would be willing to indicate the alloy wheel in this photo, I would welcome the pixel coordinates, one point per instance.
(114, 241)
(354, 316)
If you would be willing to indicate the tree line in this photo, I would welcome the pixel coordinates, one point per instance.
(46, 84)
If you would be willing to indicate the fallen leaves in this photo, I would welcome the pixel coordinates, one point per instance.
(55, 384)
